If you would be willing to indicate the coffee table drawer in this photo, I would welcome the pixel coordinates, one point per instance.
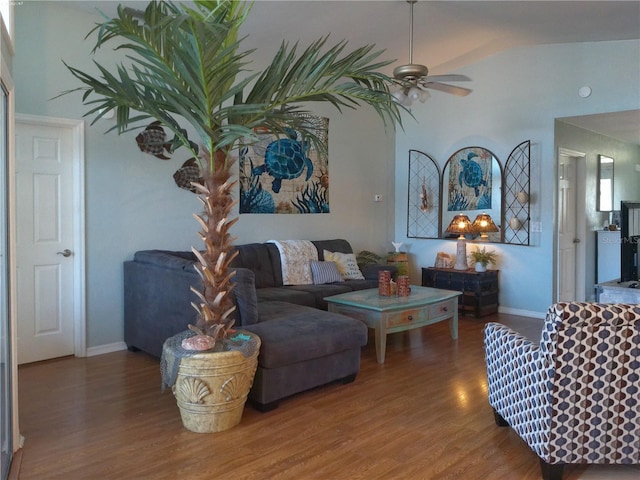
(407, 317)
(442, 308)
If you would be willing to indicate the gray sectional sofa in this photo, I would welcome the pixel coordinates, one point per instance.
(303, 345)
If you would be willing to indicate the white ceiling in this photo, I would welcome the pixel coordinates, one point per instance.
(624, 126)
(447, 34)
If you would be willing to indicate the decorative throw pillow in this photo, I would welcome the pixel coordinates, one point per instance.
(347, 264)
(325, 272)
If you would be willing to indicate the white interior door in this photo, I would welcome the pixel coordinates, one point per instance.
(571, 227)
(567, 229)
(46, 242)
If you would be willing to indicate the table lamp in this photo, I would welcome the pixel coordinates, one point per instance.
(484, 224)
(462, 225)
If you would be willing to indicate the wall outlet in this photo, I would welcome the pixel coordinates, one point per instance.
(377, 197)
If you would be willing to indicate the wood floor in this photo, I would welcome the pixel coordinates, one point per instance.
(421, 415)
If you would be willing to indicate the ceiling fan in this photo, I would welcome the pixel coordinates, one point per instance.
(414, 79)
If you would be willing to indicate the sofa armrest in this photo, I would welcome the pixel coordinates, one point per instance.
(244, 293)
(166, 259)
(519, 380)
(370, 271)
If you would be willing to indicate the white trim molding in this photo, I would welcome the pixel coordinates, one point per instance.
(522, 313)
(108, 348)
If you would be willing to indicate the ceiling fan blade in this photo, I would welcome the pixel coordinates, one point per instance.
(443, 87)
(447, 78)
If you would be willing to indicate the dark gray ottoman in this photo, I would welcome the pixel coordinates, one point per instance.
(302, 348)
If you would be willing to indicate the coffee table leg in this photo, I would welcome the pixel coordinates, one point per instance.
(381, 343)
(453, 322)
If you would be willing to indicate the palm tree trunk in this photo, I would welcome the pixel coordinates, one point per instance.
(216, 195)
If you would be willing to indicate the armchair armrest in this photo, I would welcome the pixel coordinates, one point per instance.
(519, 380)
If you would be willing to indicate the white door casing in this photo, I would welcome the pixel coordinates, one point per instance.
(570, 225)
(50, 238)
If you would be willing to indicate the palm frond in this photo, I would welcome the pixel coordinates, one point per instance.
(344, 81)
(184, 62)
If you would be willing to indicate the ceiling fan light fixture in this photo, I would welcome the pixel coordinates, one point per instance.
(401, 97)
(407, 95)
(398, 96)
(414, 94)
(410, 70)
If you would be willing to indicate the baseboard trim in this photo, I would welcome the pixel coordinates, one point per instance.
(108, 348)
(16, 463)
(522, 313)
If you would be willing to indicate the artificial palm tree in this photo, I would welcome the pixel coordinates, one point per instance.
(185, 67)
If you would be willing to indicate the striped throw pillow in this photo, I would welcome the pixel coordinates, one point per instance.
(325, 272)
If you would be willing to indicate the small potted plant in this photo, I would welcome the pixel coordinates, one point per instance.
(481, 257)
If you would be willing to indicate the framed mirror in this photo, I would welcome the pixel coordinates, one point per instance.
(604, 196)
(472, 184)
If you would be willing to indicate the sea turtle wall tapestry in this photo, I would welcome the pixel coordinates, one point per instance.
(470, 174)
(282, 174)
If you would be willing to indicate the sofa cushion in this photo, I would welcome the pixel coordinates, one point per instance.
(245, 295)
(325, 272)
(370, 272)
(285, 294)
(335, 245)
(255, 257)
(293, 333)
(319, 292)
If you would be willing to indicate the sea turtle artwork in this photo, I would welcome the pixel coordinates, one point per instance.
(470, 185)
(471, 174)
(285, 159)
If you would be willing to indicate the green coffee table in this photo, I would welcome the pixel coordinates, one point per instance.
(424, 306)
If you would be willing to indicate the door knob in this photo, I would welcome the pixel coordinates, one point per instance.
(65, 253)
(576, 240)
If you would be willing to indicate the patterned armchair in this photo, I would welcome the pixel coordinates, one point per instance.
(575, 398)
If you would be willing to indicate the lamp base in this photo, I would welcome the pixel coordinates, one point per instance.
(461, 255)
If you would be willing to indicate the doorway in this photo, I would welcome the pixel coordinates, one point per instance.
(6, 354)
(571, 226)
(50, 264)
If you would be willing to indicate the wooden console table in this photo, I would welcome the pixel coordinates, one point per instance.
(480, 290)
